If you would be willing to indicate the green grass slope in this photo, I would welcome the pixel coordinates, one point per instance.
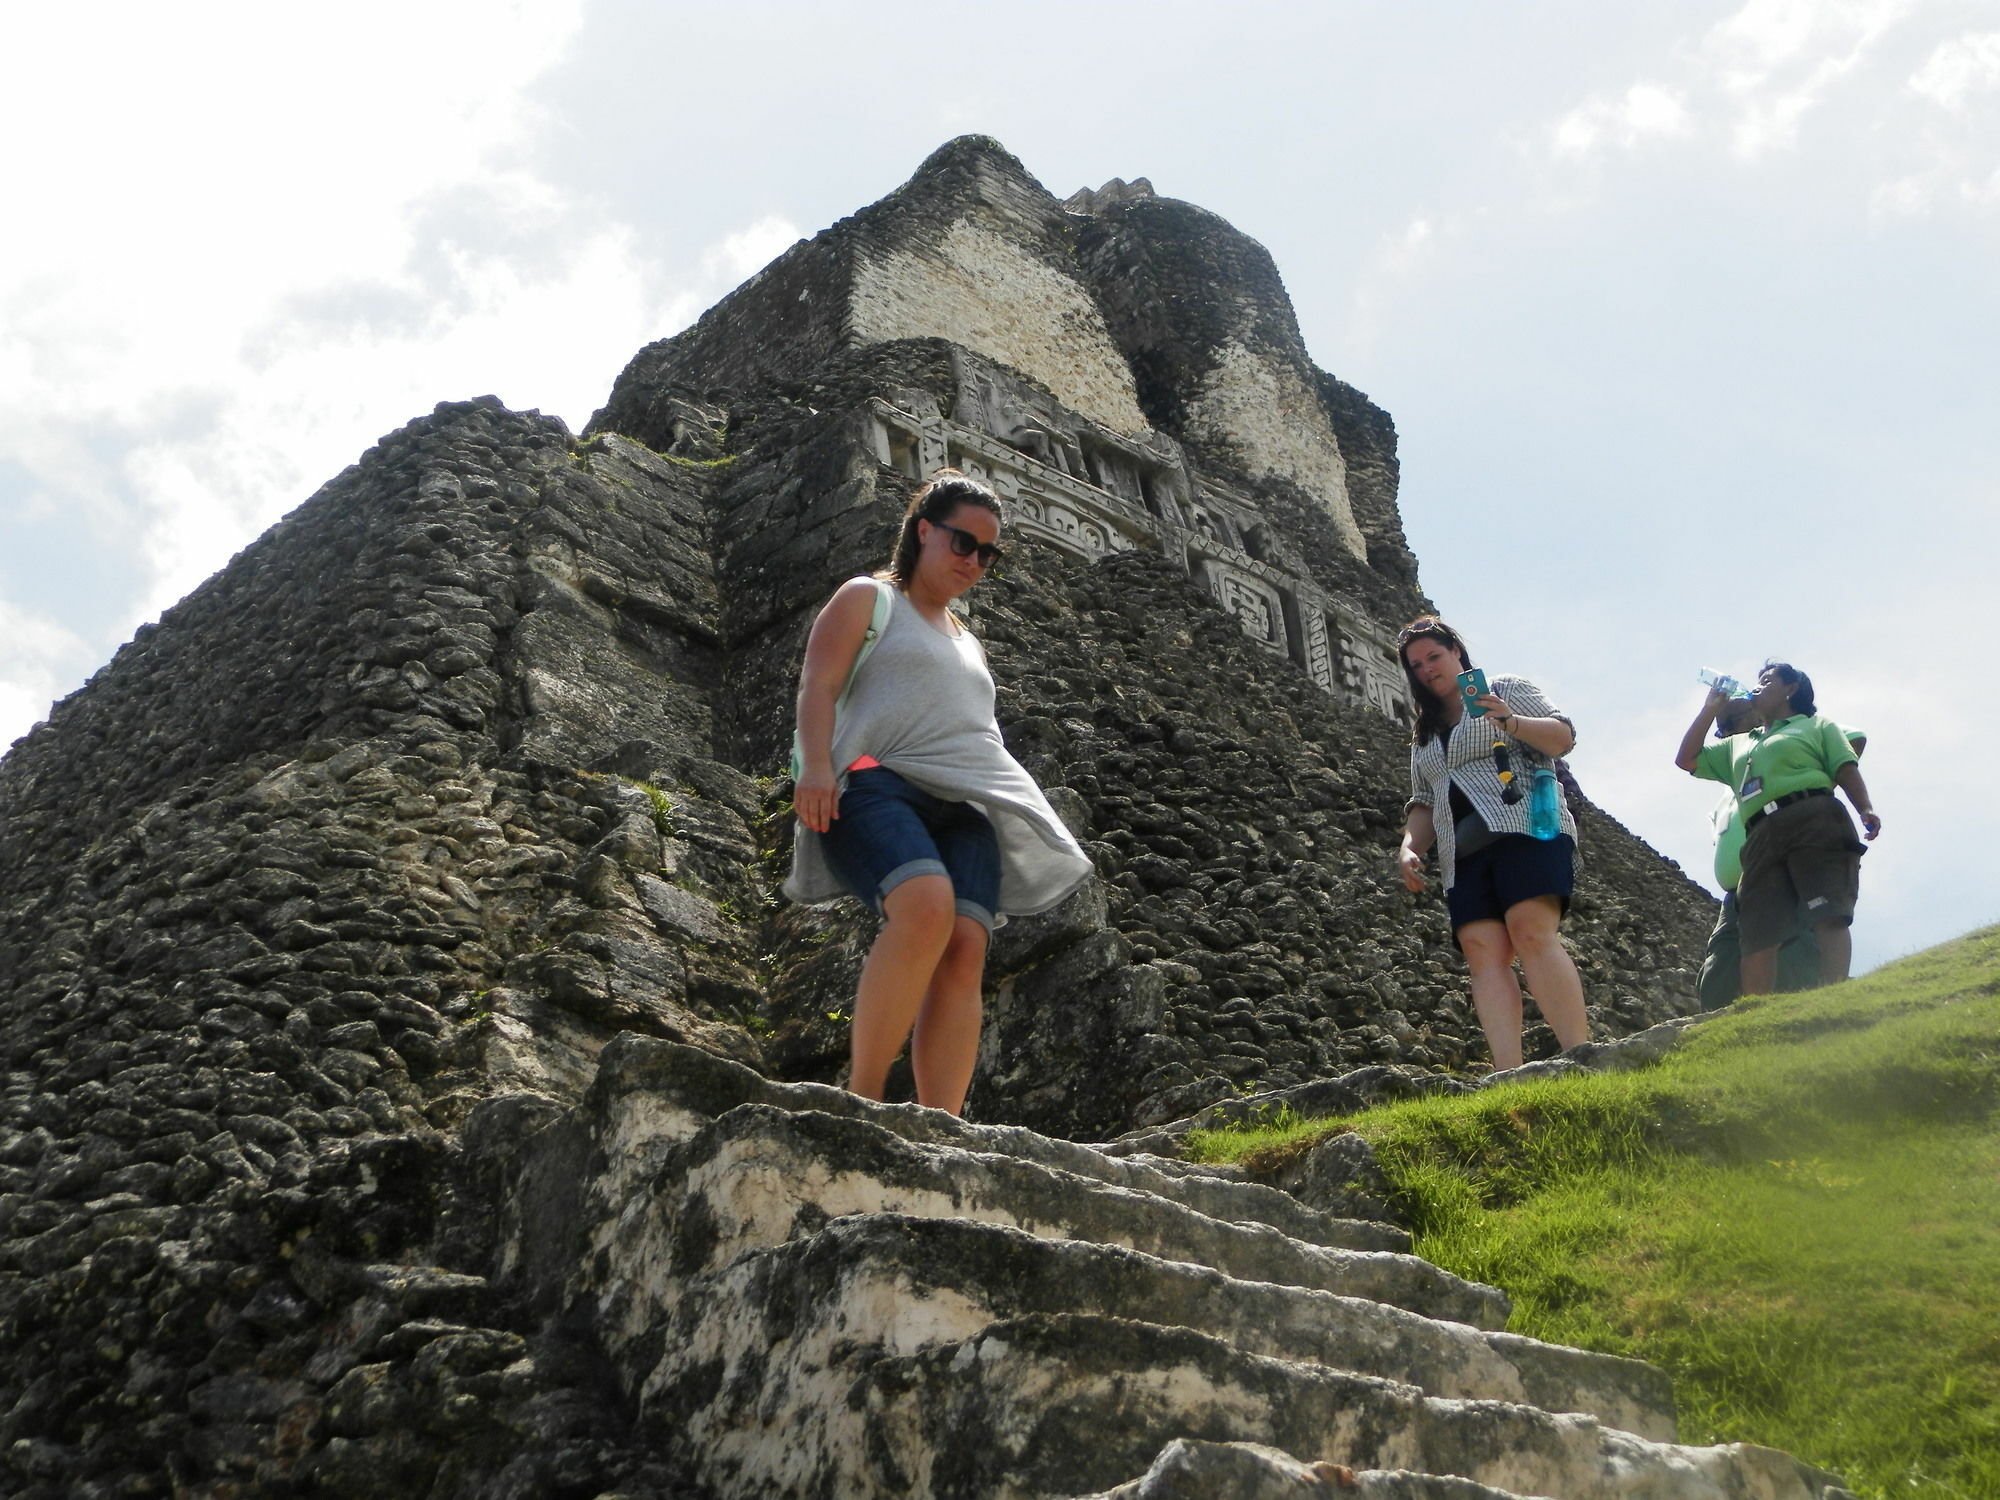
(1797, 1215)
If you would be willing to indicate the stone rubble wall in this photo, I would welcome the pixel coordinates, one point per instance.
(1205, 320)
(1367, 437)
(307, 871)
(790, 316)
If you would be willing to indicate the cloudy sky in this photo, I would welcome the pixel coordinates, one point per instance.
(1687, 313)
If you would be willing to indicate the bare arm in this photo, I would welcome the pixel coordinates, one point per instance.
(1698, 731)
(1551, 736)
(1547, 733)
(830, 651)
(1419, 833)
(1848, 778)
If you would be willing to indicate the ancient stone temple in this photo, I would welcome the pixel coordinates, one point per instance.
(413, 1084)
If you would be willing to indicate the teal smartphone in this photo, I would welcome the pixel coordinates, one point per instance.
(1473, 685)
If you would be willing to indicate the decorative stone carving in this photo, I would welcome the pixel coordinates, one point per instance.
(1021, 426)
(1066, 481)
(1319, 651)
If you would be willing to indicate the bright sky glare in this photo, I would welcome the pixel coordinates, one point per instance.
(1686, 312)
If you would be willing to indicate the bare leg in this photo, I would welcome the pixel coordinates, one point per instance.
(918, 924)
(1760, 971)
(1836, 951)
(947, 1040)
(1548, 968)
(1495, 996)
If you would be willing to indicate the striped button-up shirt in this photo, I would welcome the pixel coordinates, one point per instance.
(1464, 757)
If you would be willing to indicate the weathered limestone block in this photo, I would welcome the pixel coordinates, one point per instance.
(1236, 410)
(1055, 1406)
(1193, 1470)
(779, 1322)
(981, 288)
(749, 1178)
(1340, 1175)
(652, 1094)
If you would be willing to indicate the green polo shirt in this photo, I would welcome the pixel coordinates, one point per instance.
(1788, 756)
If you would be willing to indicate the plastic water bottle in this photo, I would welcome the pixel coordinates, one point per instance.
(1545, 805)
(1723, 682)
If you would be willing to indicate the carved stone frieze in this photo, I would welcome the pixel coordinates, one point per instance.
(1077, 485)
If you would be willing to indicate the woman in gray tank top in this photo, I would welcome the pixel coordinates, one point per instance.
(908, 800)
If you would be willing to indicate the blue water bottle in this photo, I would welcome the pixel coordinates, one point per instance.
(1544, 805)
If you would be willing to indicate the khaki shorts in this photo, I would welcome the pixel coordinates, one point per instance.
(1803, 861)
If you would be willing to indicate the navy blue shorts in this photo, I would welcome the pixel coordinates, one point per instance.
(1512, 869)
(889, 831)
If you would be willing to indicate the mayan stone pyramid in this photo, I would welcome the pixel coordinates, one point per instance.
(414, 1086)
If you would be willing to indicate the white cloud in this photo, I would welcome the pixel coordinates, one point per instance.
(263, 238)
(725, 265)
(1777, 60)
(1646, 111)
(37, 656)
(1905, 197)
(1754, 78)
(1960, 77)
(228, 174)
(202, 167)
(1417, 237)
(553, 341)
(1959, 69)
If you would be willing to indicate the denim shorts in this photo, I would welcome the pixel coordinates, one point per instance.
(889, 831)
(1513, 868)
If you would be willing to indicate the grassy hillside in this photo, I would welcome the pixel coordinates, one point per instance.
(1797, 1215)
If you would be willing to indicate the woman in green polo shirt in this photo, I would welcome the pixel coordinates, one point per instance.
(1799, 845)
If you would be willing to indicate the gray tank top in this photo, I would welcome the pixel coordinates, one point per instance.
(922, 705)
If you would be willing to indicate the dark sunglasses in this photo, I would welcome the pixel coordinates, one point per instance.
(965, 544)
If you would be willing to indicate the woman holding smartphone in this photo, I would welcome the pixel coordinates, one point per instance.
(1470, 752)
(908, 800)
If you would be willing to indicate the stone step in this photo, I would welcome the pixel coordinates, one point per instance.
(789, 1324)
(1043, 1406)
(758, 1176)
(807, 1294)
(1189, 1470)
(651, 1093)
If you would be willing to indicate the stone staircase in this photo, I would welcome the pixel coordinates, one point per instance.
(806, 1294)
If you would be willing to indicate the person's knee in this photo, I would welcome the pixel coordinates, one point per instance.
(923, 905)
(1532, 926)
(1485, 946)
(965, 951)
